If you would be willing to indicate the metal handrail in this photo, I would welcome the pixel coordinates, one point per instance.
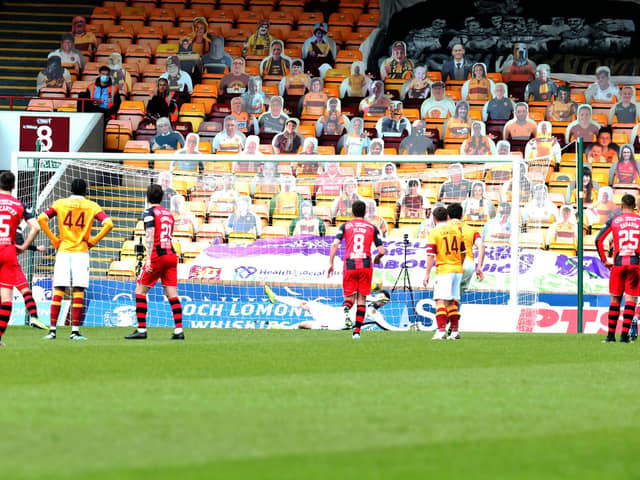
(12, 98)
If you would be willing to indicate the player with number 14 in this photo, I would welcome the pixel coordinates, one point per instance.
(445, 249)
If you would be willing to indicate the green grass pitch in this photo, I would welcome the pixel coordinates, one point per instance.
(278, 404)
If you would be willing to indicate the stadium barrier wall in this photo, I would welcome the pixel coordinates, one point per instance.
(246, 306)
(86, 132)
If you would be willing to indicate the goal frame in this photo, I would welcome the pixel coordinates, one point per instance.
(17, 158)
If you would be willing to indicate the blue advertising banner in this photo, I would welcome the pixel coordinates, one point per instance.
(304, 260)
(112, 303)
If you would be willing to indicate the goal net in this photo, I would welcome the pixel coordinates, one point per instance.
(246, 223)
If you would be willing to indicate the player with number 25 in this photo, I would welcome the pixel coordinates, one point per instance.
(624, 265)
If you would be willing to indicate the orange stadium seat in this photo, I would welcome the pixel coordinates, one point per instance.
(205, 147)
(232, 4)
(143, 6)
(132, 110)
(495, 76)
(165, 50)
(249, 19)
(98, 31)
(133, 16)
(211, 232)
(186, 16)
(194, 113)
(117, 134)
(237, 37)
(174, 34)
(104, 50)
(340, 19)
(78, 87)
(40, 105)
(66, 105)
(122, 268)
(262, 7)
(205, 94)
(134, 69)
(281, 31)
(121, 35)
(298, 37)
(138, 54)
(293, 52)
(600, 118)
(137, 146)
(578, 97)
(291, 8)
(309, 19)
(150, 36)
(136, 163)
(276, 231)
(191, 250)
(54, 93)
(105, 16)
(162, 17)
(354, 40)
(151, 72)
(214, 78)
(142, 91)
(223, 18)
(368, 22)
(90, 71)
(354, 7)
(334, 76)
(280, 18)
(345, 58)
(624, 128)
(620, 137)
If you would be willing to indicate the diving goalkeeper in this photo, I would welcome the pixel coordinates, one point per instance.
(331, 317)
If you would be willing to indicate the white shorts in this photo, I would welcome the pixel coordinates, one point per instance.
(446, 286)
(71, 269)
(468, 269)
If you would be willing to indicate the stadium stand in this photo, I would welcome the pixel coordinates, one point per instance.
(146, 33)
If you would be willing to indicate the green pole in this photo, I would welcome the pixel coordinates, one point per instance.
(34, 198)
(580, 199)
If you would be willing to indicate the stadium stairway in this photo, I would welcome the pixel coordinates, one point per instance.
(28, 32)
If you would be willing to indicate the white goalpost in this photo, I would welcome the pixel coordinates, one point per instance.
(223, 272)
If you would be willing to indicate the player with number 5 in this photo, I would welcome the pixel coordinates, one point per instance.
(75, 216)
(11, 212)
(359, 236)
(624, 265)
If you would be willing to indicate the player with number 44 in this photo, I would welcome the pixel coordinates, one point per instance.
(75, 216)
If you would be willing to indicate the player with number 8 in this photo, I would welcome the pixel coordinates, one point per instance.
(625, 265)
(359, 236)
(75, 216)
